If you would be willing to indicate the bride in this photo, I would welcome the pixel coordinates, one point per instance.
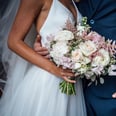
(32, 88)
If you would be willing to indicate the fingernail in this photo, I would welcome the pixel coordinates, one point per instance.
(114, 95)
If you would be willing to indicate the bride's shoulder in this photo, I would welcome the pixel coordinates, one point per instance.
(46, 4)
(32, 6)
(33, 3)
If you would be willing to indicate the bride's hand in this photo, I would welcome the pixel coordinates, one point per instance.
(65, 74)
(62, 73)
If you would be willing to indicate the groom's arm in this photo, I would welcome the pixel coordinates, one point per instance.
(39, 49)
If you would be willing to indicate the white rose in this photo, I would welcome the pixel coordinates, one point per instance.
(77, 65)
(102, 60)
(82, 70)
(80, 28)
(59, 49)
(87, 47)
(86, 60)
(64, 35)
(77, 55)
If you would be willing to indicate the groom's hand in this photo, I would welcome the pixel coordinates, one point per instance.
(114, 95)
(113, 73)
(39, 49)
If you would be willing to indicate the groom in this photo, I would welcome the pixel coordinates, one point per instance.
(102, 19)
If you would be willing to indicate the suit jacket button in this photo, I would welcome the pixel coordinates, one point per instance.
(92, 21)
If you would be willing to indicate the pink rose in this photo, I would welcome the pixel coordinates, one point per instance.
(94, 36)
(97, 39)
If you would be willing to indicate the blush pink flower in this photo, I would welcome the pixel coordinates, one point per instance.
(97, 39)
(94, 36)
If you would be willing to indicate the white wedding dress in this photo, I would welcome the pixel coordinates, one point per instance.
(38, 93)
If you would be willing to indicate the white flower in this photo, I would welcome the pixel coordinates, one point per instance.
(89, 74)
(111, 70)
(86, 60)
(64, 35)
(59, 49)
(80, 29)
(87, 47)
(82, 70)
(101, 60)
(77, 65)
(77, 55)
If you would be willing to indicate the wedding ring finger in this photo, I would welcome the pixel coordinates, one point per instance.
(68, 79)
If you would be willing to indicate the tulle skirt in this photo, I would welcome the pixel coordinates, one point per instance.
(38, 94)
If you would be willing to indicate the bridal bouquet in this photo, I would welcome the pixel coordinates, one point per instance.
(85, 52)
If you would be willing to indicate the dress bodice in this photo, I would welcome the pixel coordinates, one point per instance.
(56, 19)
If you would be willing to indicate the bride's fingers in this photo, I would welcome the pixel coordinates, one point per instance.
(47, 56)
(67, 70)
(68, 79)
(67, 74)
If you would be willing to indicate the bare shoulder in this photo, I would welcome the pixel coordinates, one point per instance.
(32, 5)
(26, 15)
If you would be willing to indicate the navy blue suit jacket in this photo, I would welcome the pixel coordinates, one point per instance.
(102, 18)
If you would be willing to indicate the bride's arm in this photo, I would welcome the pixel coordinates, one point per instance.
(28, 11)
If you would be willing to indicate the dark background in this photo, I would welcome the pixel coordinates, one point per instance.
(3, 7)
